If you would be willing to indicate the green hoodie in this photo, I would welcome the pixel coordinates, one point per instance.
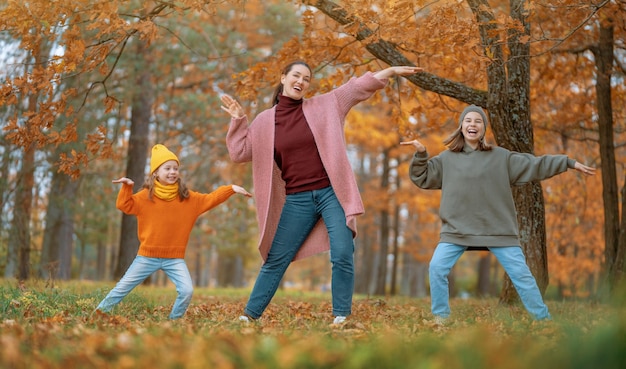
(477, 207)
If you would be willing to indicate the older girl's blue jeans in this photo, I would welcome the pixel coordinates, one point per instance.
(299, 215)
(141, 268)
(513, 262)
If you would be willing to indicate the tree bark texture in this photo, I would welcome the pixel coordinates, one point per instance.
(138, 146)
(58, 239)
(383, 241)
(603, 53)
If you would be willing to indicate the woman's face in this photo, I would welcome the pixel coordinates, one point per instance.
(167, 173)
(473, 128)
(296, 81)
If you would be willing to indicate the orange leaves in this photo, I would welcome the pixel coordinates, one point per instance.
(61, 330)
(110, 103)
(70, 164)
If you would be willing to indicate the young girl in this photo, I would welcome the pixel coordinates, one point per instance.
(477, 207)
(166, 212)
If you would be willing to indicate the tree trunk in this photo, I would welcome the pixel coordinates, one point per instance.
(18, 262)
(414, 275)
(4, 171)
(58, 238)
(101, 258)
(364, 255)
(603, 53)
(396, 243)
(620, 257)
(230, 271)
(509, 109)
(364, 261)
(19, 234)
(383, 251)
(483, 288)
(138, 146)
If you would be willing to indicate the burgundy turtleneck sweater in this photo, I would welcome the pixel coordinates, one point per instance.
(295, 150)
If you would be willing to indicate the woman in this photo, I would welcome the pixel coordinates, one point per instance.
(477, 207)
(306, 193)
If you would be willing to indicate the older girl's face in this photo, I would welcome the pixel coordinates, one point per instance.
(473, 128)
(167, 173)
(296, 81)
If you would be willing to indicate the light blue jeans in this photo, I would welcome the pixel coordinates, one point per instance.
(512, 260)
(299, 215)
(141, 268)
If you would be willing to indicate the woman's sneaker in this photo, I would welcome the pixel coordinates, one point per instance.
(247, 319)
(339, 320)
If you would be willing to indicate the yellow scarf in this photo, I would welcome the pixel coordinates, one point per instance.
(165, 192)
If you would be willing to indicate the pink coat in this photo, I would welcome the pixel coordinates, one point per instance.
(326, 117)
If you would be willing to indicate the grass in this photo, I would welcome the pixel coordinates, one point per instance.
(56, 328)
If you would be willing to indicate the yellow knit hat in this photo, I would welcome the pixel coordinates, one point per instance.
(161, 154)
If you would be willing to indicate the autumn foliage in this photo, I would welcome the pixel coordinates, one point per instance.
(57, 328)
(69, 97)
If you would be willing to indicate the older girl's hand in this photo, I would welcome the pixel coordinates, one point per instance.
(585, 169)
(416, 144)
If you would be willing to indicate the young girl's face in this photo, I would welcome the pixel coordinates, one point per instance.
(296, 81)
(167, 173)
(473, 128)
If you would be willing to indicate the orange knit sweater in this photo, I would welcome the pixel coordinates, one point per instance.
(163, 227)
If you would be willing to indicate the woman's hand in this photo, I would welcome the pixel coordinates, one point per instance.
(124, 180)
(398, 71)
(232, 107)
(416, 144)
(241, 190)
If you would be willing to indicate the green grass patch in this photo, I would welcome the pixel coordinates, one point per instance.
(57, 328)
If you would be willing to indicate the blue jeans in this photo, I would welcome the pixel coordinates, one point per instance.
(299, 215)
(141, 268)
(512, 260)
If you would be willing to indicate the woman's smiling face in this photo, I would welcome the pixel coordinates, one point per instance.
(296, 81)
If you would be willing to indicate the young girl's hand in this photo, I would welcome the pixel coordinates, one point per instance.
(241, 190)
(124, 180)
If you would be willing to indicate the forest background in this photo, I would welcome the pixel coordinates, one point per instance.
(89, 86)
